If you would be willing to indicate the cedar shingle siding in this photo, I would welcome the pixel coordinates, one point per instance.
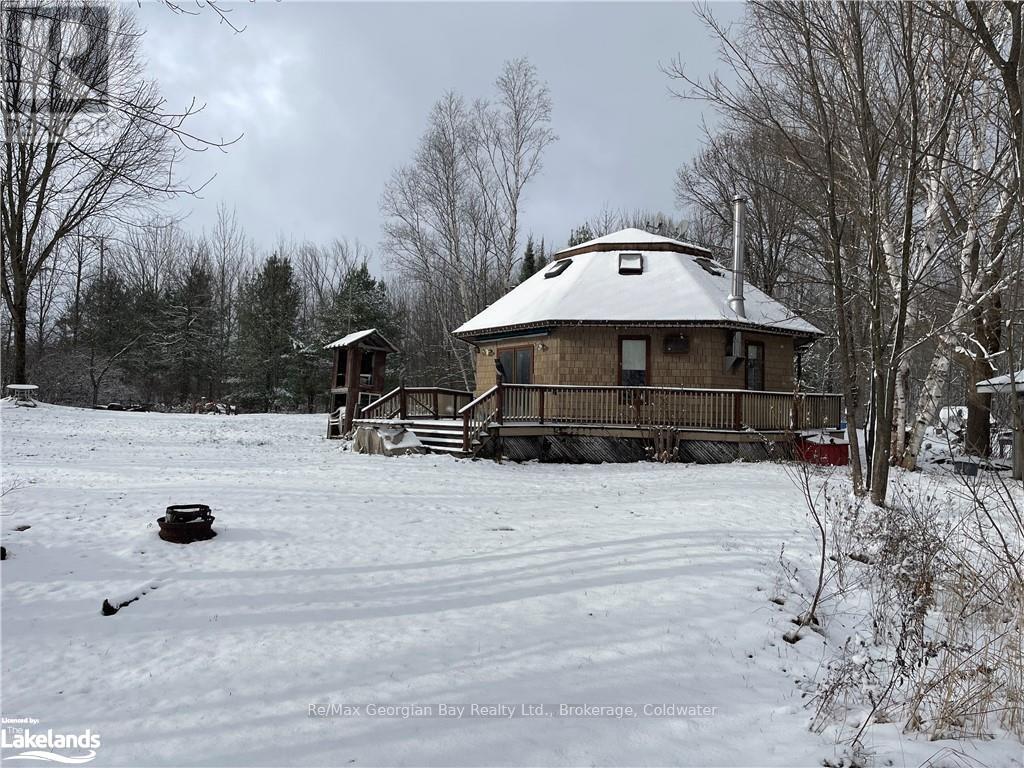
(590, 355)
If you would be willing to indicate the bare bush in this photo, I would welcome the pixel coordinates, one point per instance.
(935, 639)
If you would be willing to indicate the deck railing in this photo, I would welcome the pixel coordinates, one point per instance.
(718, 410)
(818, 411)
(678, 407)
(417, 403)
(479, 413)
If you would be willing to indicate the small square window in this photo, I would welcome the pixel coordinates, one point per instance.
(558, 268)
(631, 263)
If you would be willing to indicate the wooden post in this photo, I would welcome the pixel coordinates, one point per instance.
(351, 386)
(795, 417)
(379, 367)
(737, 411)
(1017, 473)
(499, 415)
(540, 404)
(403, 405)
(437, 407)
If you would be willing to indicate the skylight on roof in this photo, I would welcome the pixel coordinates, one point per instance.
(709, 266)
(631, 263)
(558, 268)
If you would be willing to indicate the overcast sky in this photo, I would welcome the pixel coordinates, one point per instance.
(332, 97)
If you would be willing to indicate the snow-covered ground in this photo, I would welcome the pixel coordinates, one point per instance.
(347, 580)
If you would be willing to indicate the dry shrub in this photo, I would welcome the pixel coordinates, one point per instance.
(936, 617)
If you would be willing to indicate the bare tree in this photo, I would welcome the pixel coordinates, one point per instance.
(228, 253)
(745, 161)
(974, 195)
(843, 90)
(453, 213)
(87, 137)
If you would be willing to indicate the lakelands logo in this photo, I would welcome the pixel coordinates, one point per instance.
(47, 746)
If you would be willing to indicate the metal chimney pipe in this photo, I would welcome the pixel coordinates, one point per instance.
(739, 209)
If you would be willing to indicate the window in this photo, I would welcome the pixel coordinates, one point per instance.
(631, 263)
(755, 365)
(558, 268)
(676, 344)
(633, 361)
(517, 364)
(366, 368)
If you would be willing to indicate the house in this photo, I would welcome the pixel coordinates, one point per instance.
(636, 309)
(627, 344)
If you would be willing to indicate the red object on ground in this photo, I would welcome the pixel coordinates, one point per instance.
(820, 449)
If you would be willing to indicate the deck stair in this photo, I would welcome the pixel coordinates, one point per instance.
(441, 436)
(437, 435)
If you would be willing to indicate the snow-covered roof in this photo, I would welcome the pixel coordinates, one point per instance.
(674, 288)
(371, 336)
(1002, 383)
(632, 238)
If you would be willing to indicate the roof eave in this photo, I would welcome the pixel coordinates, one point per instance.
(674, 247)
(366, 341)
(799, 333)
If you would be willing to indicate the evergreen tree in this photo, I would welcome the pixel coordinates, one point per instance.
(529, 265)
(110, 331)
(187, 324)
(581, 234)
(360, 302)
(268, 311)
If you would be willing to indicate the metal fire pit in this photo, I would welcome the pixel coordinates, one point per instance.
(185, 523)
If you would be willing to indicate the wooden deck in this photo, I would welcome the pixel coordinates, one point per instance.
(600, 422)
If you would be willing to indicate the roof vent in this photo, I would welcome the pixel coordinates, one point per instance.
(631, 263)
(558, 268)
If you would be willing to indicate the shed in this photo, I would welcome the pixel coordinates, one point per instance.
(1002, 385)
(358, 376)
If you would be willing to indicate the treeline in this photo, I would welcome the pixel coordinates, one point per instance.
(101, 306)
(162, 316)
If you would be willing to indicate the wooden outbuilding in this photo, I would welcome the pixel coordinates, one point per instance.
(357, 378)
(1013, 386)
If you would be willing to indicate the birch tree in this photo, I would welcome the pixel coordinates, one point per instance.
(453, 214)
(976, 202)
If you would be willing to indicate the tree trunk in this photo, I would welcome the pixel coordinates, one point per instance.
(928, 402)
(899, 418)
(19, 324)
(978, 440)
